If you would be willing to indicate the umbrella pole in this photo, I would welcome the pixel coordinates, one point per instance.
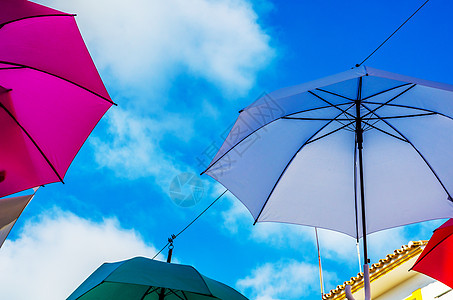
(359, 138)
(366, 270)
(170, 252)
(320, 265)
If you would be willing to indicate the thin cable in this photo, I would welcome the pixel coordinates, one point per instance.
(201, 213)
(358, 65)
(163, 248)
(175, 236)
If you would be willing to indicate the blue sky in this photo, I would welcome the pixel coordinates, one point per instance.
(180, 71)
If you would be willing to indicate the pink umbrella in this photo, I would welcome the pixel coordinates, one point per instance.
(51, 95)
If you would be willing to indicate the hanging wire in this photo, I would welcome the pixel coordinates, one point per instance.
(358, 65)
(163, 248)
(173, 236)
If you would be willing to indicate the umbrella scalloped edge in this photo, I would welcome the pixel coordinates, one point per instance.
(378, 269)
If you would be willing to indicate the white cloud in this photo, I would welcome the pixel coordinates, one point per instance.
(283, 280)
(423, 230)
(333, 245)
(337, 246)
(384, 242)
(54, 254)
(282, 235)
(134, 149)
(236, 217)
(149, 42)
(141, 47)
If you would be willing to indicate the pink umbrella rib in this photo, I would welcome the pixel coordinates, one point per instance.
(31, 139)
(59, 77)
(29, 17)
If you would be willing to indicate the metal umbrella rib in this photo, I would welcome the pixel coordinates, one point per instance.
(385, 91)
(420, 154)
(390, 100)
(411, 107)
(59, 77)
(335, 94)
(259, 128)
(33, 141)
(32, 17)
(287, 165)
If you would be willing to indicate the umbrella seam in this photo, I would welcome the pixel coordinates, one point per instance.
(12, 68)
(256, 130)
(287, 165)
(388, 101)
(172, 291)
(62, 78)
(282, 117)
(31, 17)
(329, 133)
(184, 294)
(369, 119)
(385, 132)
(32, 140)
(335, 94)
(425, 254)
(415, 148)
(207, 287)
(332, 105)
(411, 107)
(147, 292)
(89, 289)
(335, 106)
(385, 91)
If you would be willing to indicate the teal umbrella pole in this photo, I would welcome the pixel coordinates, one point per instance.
(170, 248)
(170, 253)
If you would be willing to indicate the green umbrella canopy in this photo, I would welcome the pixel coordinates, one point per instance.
(143, 278)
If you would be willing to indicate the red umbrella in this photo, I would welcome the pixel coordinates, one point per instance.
(436, 260)
(51, 95)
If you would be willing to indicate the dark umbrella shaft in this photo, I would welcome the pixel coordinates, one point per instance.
(359, 139)
(362, 193)
(170, 252)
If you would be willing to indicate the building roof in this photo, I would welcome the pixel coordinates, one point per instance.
(393, 260)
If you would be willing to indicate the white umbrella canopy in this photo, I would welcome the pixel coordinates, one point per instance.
(291, 155)
(10, 210)
(295, 155)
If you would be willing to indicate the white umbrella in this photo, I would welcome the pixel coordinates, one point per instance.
(316, 153)
(10, 210)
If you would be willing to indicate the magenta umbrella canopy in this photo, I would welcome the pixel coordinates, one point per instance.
(51, 95)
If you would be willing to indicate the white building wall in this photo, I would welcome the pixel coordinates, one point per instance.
(405, 289)
(437, 291)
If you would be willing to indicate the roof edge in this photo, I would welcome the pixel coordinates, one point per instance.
(385, 265)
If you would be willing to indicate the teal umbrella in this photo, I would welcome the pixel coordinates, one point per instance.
(147, 279)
